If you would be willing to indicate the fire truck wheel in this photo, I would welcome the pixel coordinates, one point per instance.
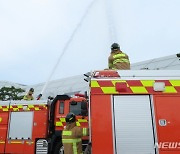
(59, 149)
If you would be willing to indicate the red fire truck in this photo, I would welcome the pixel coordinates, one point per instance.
(135, 112)
(28, 127)
(130, 112)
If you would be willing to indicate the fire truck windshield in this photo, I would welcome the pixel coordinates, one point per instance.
(77, 108)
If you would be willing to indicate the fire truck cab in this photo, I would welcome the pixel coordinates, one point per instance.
(135, 112)
(28, 127)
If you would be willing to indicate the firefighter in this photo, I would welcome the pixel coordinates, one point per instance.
(72, 134)
(29, 95)
(117, 59)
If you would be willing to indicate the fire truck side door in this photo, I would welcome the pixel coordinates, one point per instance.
(168, 122)
(133, 131)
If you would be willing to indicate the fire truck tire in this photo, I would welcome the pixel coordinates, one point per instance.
(59, 149)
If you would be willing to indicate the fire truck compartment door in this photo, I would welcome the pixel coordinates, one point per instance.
(168, 121)
(133, 131)
(21, 125)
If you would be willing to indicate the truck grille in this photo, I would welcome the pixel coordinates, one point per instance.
(41, 146)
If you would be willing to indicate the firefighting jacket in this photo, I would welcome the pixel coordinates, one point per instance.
(71, 138)
(28, 97)
(118, 60)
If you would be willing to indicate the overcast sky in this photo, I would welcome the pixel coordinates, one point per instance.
(34, 33)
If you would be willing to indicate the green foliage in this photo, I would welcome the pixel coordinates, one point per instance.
(11, 93)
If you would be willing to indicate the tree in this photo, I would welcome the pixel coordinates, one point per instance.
(11, 93)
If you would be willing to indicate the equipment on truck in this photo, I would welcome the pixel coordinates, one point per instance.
(28, 127)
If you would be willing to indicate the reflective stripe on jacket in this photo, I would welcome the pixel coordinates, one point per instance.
(28, 97)
(71, 138)
(118, 60)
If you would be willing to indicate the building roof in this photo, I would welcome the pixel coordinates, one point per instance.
(76, 84)
(163, 63)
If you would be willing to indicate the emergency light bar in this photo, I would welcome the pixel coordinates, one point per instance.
(106, 73)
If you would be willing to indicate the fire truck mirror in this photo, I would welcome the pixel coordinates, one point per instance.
(84, 105)
(84, 112)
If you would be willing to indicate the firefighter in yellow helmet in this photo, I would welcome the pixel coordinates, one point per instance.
(117, 59)
(72, 134)
(29, 95)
